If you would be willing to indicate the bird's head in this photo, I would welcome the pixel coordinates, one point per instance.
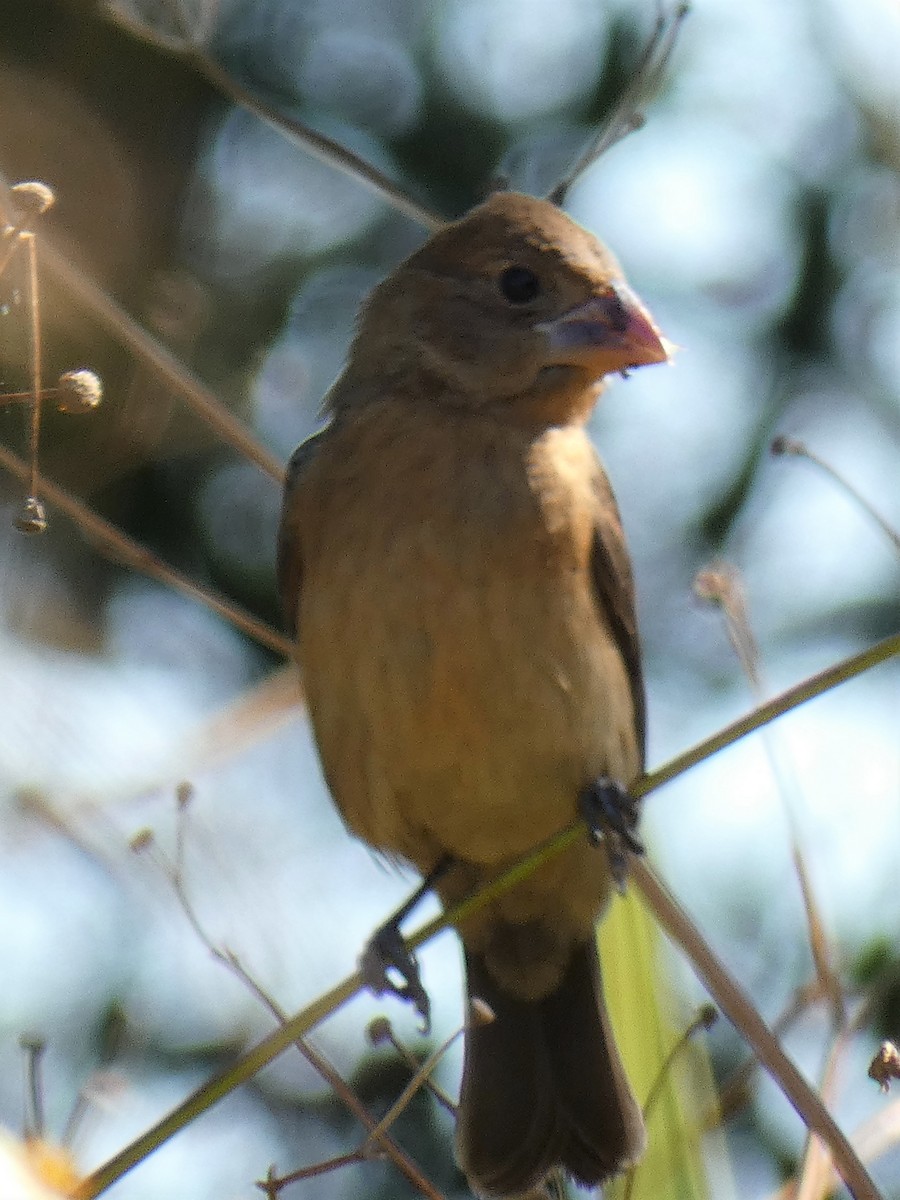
(514, 308)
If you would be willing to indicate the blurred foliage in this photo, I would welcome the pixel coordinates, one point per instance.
(758, 214)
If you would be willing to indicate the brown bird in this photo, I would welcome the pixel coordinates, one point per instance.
(453, 565)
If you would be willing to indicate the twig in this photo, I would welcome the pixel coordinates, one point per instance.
(75, 392)
(275, 1184)
(626, 117)
(270, 1047)
(414, 1086)
(722, 585)
(815, 685)
(816, 1171)
(704, 1021)
(121, 548)
(34, 1048)
(736, 1005)
(872, 1138)
(732, 1094)
(34, 301)
(793, 447)
(377, 1132)
(380, 1030)
(326, 149)
(152, 353)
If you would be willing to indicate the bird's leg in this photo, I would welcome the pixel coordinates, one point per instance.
(611, 816)
(386, 954)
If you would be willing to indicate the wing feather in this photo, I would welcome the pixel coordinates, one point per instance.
(614, 591)
(289, 564)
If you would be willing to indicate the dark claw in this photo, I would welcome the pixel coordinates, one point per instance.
(611, 815)
(387, 956)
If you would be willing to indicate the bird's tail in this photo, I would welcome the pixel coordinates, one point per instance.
(543, 1086)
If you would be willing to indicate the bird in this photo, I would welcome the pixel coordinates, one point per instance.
(453, 569)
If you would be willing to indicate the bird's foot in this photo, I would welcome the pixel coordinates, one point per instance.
(388, 965)
(611, 815)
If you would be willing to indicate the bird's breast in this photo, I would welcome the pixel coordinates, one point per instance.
(462, 683)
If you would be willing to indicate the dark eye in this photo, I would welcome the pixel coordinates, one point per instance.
(519, 284)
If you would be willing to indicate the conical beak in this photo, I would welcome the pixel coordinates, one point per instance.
(611, 331)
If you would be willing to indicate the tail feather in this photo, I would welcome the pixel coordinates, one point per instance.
(543, 1086)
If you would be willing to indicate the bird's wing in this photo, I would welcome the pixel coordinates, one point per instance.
(289, 562)
(614, 592)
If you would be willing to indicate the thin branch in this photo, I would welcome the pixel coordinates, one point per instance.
(322, 147)
(793, 447)
(270, 1047)
(34, 302)
(376, 1131)
(626, 117)
(739, 1009)
(705, 1019)
(121, 548)
(722, 585)
(112, 317)
(218, 1087)
(733, 1093)
(815, 685)
(415, 1084)
(817, 1168)
(872, 1138)
(273, 1185)
(153, 354)
(702, 1023)
(34, 1048)
(188, 48)
(380, 1030)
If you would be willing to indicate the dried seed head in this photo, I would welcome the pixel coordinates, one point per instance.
(480, 1012)
(78, 391)
(379, 1031)
(786, 445)
(32, 199)
(35, 1042)
(141, 841)
(707, 1016)
(885, 1066)
(32, 517)
(714, 585)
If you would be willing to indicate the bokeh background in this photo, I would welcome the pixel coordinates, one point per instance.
(757, 213)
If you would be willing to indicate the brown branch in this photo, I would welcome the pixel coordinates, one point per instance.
(626, 117)
(733, 1093)
(34, 302)
(322, 147)
(722, 585)
(376, 1131)
(793, 447)
(415, 1084)
(739, 1009)
(112, 317)
(189, 48)
(121, 548)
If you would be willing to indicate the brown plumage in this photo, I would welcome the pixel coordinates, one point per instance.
(452, 562)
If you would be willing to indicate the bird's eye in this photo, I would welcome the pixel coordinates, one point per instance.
(519, 284)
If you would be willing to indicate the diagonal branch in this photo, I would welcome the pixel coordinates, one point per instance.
(120, 548)
(188, 48)
(739, 1009)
